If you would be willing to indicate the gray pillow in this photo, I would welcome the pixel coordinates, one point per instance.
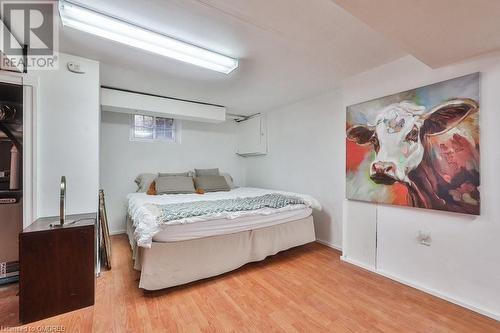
(229, 179)
(211, 183)
(174, 185)
(172, 174)
(144, 180)
(206, 172)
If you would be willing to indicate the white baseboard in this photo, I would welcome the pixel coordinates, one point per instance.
(430, 291)
(333, 246)
(358, 263)
(117, 232)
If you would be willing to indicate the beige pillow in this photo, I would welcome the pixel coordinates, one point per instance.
(174, 185)
(211, 183)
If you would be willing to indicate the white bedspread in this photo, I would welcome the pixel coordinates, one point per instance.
(144, 213)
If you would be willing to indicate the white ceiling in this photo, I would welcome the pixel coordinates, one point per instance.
(288, 49)
(438, 32)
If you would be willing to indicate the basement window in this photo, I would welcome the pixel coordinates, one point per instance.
(154, 129)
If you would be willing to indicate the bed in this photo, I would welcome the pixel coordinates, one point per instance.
(193, 246)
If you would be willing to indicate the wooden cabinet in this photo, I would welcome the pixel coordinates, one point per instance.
(57, 267)
(252, 136)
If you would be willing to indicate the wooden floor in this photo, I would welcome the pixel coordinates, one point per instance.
(306, 289)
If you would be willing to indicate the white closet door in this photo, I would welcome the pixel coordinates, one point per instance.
(252, 136)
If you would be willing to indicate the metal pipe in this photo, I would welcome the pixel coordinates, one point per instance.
(161, 96)
(14, 168)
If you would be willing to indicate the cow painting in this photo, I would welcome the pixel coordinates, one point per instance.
(419, 148)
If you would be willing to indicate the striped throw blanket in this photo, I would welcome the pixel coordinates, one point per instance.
(178, 211)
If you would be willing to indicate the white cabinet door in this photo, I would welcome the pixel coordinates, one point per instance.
(252, 136)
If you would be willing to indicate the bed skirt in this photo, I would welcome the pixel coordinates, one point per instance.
(171, 264)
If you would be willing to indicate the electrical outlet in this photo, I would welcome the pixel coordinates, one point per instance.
(424, 237)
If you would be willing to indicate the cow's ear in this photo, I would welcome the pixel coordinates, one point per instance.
(360, 134)
(447, 115)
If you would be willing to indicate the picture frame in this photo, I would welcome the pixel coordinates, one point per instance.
(417, 148)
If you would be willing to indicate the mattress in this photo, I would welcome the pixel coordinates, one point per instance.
(144, 213)
(201, 229)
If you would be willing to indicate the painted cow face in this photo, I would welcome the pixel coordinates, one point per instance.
(398, 134)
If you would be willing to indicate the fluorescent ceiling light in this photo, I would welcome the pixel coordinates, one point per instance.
(101, 25)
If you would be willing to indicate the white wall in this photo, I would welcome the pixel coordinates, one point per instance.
(304, 156)
(67, 143)
(202, 145)
(463, 262)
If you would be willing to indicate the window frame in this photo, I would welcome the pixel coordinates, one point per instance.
(176, 130)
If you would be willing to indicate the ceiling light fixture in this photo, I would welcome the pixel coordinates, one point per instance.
(120, 31)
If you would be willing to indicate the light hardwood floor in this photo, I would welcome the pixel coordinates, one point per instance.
(305, 289)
